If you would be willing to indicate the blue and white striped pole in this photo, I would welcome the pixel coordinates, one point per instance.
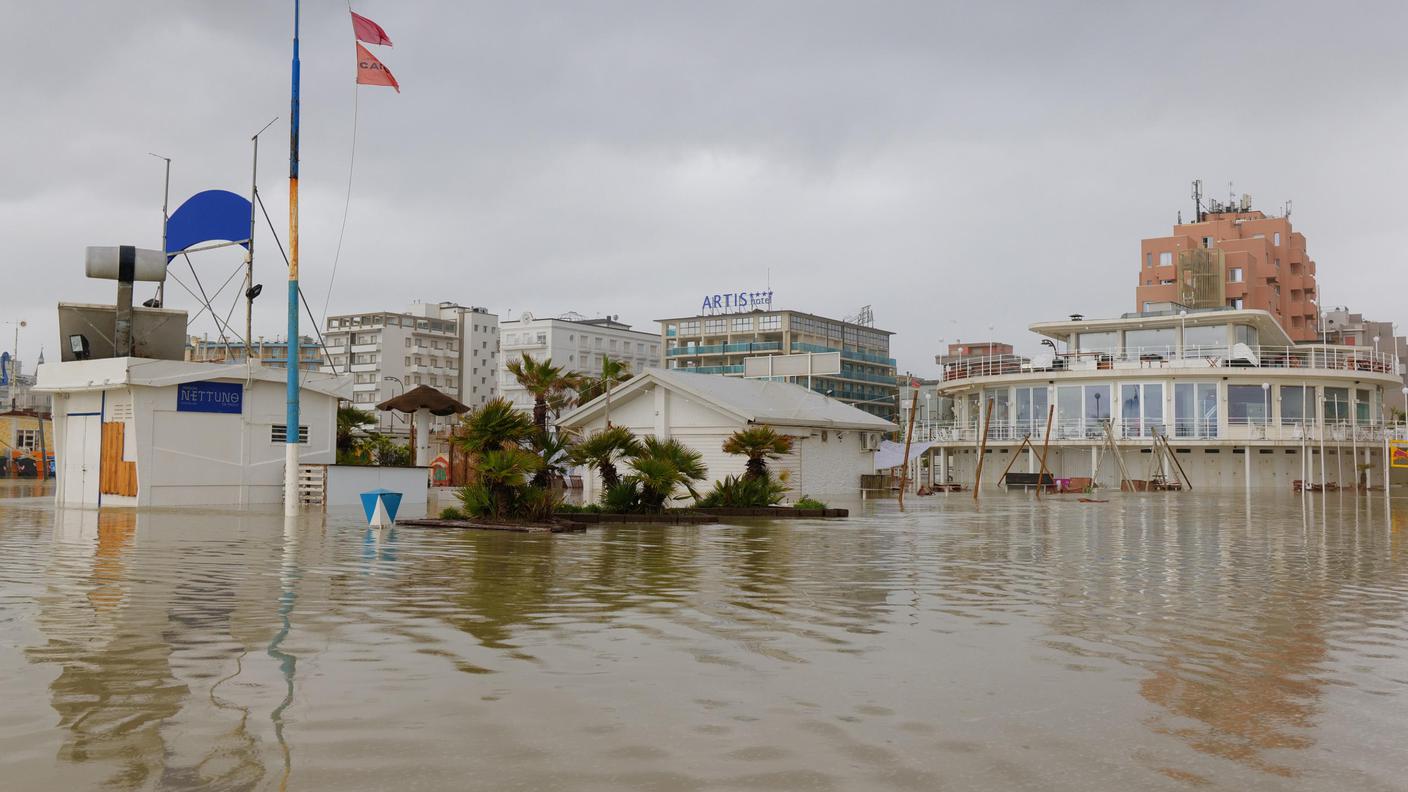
(291, 420)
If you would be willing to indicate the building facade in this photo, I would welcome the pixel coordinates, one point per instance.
(574, 343)
(1237, 257)
(718, 343)
(1340, 326)
(270, 353)
(1238, 404)
(447, 346)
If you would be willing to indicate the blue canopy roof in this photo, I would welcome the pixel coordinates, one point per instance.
(209, 216)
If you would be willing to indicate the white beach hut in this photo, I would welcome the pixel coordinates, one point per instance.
(140, 432)
(834, 446)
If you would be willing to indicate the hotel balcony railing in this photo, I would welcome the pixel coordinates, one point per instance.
(722, 349)
(1218, 357)
(846, 354)
(1142, 431)
(713, 369)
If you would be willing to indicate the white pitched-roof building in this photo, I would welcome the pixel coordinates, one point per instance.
(834, 443)
(141, 432)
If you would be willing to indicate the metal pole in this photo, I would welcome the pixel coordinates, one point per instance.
(291, 418)
(165, 219)
(249, 257)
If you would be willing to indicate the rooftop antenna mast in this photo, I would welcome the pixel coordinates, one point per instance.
(1197, 200)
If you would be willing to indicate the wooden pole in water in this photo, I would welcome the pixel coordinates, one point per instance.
(1045, 445)
(982, 450)
(908, 437)
(1026, 443)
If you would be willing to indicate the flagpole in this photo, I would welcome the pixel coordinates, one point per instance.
(292, 359)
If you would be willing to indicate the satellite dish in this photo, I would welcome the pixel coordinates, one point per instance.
(525, 317)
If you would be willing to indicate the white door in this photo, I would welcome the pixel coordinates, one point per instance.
(82, 437)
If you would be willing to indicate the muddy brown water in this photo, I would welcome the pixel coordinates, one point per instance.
(1153, 642)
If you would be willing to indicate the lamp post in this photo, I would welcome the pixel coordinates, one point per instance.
(928, 417)
(1265, 409)
(398, 381)
(14, 373)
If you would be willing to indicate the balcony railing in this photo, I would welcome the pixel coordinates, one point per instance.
(846, 354)
(724, 349)
(1210, 357)
(1142, 431)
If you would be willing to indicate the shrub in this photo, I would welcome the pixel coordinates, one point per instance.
(623, 498)
(451, 513)
(741, 492)
(808, 502)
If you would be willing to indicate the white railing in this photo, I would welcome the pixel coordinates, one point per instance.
(1175, 430)
(1317, 358)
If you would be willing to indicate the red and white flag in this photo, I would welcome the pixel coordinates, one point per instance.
(371, 72)
(368, 31)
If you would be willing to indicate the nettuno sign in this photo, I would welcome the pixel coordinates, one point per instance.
(210, 397)
(737, 302)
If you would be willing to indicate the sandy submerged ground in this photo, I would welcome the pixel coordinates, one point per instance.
(1158, 641)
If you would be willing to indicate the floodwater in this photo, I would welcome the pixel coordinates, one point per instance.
(1157, 641)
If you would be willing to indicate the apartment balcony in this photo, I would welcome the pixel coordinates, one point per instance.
(846, 354)
(725, 349)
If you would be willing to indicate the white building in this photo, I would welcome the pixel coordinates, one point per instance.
(450, 347)
(834, 443)
(1239, 404)
(140, 432)
(573, 342)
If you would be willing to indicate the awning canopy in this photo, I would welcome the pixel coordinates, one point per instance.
(423, 397)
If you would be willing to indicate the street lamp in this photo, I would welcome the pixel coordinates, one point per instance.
(396, 380)
(928, 420)
(1265, 407)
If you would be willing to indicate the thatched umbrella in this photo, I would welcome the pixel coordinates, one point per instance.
(423, 401)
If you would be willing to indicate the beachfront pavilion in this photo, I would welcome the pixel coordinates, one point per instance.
(1239, 404)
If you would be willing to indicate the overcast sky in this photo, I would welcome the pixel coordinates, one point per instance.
(959, 167)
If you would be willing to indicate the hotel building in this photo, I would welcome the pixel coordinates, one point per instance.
(1236, 257)
(574, 343)
(718, 343)
(450, 347)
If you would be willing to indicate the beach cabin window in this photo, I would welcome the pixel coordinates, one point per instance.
(27, 439)
(1361, 407)
(1336, 405)
(1205, 340)
(1247, 404)
(1158, 341)
(1295, 403)
(1098, 342)
(1195, 409)
(278, 433)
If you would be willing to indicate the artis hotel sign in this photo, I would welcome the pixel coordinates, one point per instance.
(737, 302)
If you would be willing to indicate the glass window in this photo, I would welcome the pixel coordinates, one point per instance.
(1336, 405)
(1158, 341)
(1276, 238)
(1205, 340)
(998, 426)
(1246, 334)
(1361, 407)
(689, 328)
(1195, 409)
(1148, 259)
(1165, 259)
(1068, 412)
(714, 326)
(1234, 275)
(1247, 404)
(769, 322)
(742, 324)
(1031, 411)
(1295, 404)
(1097, 405)
(1098, 342)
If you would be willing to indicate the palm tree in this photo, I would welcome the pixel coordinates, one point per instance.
(613, 373)
(545, 381)
(663, 466)
(554, 450)
(604, 449)
(759, 444)
(493, 426)
(502, 475)
(350, 422)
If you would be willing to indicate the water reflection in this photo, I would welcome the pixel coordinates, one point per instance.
(1149, 640)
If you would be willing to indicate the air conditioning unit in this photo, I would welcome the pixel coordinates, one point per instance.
(870, 441)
